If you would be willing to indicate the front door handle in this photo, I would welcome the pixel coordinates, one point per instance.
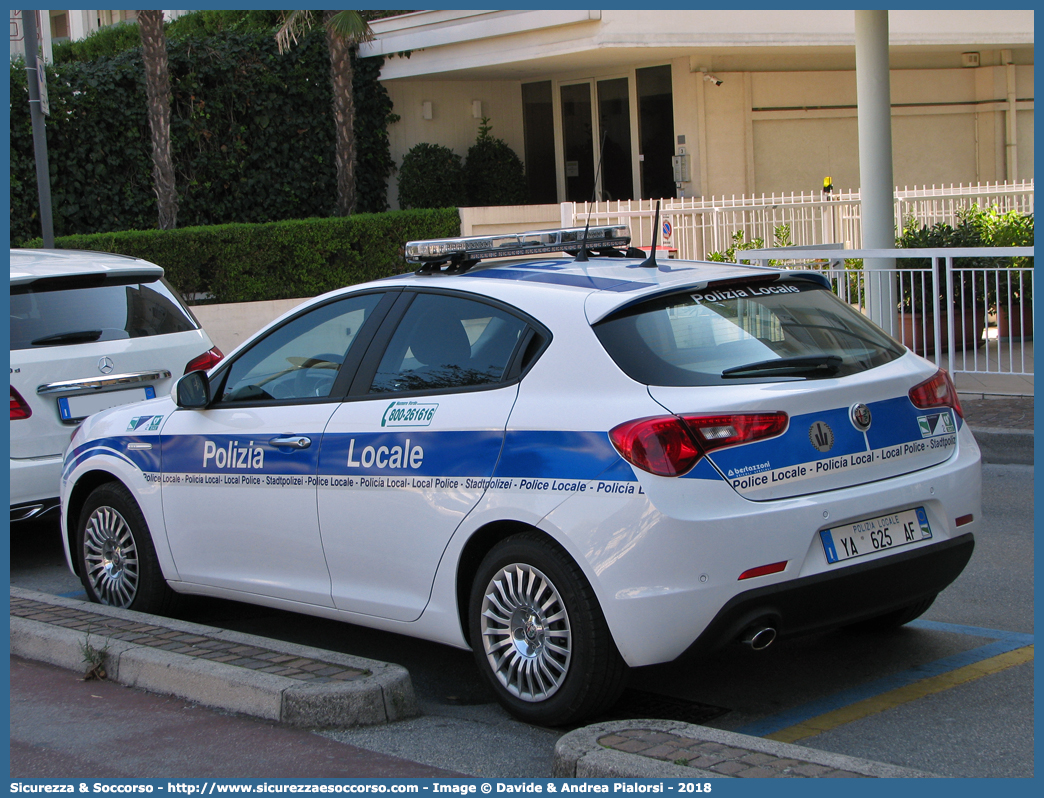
(292, 441)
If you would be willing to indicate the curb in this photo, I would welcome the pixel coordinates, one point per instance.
(1004, 446)
(364, 692)
(594, 752)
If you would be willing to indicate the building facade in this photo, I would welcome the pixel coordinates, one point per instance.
(70, 26)
(710, 103)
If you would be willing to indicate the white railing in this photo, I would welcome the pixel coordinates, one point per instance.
(701, 226)
(975, 318)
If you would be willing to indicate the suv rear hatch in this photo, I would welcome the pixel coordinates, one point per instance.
(82, 343)
(859, 407)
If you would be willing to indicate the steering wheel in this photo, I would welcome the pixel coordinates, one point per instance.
(314, 376)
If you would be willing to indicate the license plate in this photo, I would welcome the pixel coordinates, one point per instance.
(76, 407)
(875, 534)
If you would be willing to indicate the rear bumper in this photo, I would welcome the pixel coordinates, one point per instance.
(35, 480)
(33, 509)
(830, 600)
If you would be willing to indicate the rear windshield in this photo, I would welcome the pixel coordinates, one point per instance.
(102, 313)
(744, 333)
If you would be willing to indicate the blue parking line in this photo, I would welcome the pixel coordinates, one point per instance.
(1003, 643)
(75, 594)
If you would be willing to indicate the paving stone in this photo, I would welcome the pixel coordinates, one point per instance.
(662, 751)
(729, 768)
(758, 759)
(634, 746)
(757, 773)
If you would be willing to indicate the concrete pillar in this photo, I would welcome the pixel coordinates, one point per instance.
(876, 183)
(45, 37)
(79, 25)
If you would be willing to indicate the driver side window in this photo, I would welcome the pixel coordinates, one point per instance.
(300, 359)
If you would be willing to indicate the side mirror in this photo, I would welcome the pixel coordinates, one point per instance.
(192, 391)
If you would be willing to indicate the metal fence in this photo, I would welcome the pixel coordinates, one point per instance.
(701, 226)
(968, 309)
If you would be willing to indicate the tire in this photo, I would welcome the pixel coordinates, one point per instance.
(118, 564)
(539, 636)
(895, 618)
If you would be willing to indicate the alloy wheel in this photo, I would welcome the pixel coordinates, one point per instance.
(525, 632)
(111, 557)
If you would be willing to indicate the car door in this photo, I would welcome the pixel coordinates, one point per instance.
(411, 451)
(239, 477)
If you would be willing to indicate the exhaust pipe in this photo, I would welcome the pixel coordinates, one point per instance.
(759, 637)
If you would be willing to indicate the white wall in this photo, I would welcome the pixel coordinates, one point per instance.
(452, 124)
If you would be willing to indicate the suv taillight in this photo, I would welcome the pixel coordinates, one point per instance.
(670, 446)
(939, 391)
(205, 362)
(19, 408)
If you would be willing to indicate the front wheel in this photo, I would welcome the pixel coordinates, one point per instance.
(118, 564)
(539, 636)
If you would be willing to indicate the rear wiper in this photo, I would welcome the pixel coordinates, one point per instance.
(82, 336)
(809, 366)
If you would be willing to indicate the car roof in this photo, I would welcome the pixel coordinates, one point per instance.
(30, 265)
(603, 284)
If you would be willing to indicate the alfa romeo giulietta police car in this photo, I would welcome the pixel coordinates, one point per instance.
(570, 465)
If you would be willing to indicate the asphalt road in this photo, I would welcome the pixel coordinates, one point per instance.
(903, 688)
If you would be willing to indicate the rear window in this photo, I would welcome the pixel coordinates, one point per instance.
(100, 313)
(744, 333)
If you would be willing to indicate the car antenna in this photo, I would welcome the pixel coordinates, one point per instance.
(650, 262)
(581, 256)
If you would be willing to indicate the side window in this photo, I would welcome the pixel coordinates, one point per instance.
(300, 359)
(448, 342)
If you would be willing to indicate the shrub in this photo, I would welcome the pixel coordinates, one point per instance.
(252, 135)
(280, 260)
(493, 174)
(976, 227)
(431, 176)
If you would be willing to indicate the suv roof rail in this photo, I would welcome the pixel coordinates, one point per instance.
(464, 252)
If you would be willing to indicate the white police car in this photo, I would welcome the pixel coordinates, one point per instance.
(571, 466)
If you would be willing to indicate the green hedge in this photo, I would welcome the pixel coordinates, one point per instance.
(252, 134)
(280, 260)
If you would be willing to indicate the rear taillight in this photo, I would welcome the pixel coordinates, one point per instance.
(660, 445)
(939, 391)
(19, 408)
(670, 446)
(205, 362)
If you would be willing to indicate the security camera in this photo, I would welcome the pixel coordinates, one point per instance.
(712, 79)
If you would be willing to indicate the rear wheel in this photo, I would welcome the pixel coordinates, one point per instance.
(118, 564)
(539, 636)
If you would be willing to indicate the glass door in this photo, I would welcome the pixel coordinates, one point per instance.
(614, 124)
(656, 131)
(578, 147)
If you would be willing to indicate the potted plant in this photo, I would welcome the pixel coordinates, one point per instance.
(1011, 294)
(964, 298)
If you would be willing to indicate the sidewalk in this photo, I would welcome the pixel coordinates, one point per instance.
(1003, 427)
(226, 704)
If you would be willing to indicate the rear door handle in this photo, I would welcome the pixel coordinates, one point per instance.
(292, 441)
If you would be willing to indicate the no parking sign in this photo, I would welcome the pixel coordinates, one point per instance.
(667, 230)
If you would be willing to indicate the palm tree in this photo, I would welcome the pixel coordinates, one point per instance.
(345, 31)
(157, 91)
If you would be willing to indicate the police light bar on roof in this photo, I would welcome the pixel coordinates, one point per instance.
(512, 245)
